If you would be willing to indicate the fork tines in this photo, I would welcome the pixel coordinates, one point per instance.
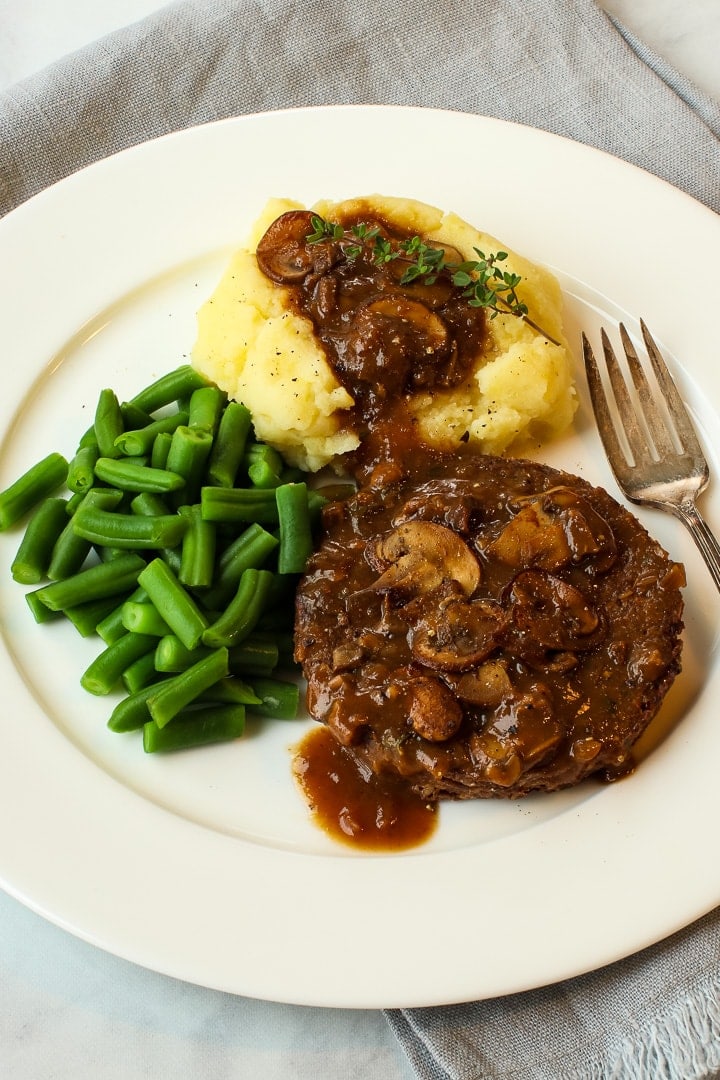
(652, 432)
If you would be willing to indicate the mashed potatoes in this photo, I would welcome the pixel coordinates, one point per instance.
(253, 344)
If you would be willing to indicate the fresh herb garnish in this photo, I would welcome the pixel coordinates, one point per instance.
(482, 281)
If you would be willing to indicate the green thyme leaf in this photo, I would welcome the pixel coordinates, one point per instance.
(481, 282)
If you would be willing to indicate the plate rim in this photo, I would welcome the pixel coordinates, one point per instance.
(216, 860)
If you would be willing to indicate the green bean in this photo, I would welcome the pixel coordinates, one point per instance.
(281, 641)
(40, 613)
(149, 504)
(132, 712)
(107, 554)
(134, 417)
(229, 445)
(255, 655)
(189, 451)
(171, 387)
(106, 670)
(75, 501)
(251, 548)
(242, 613)
(81, 470)
(143, 618)
(161, 450)
(177, 693)
(111, 627)
(108, 423)
(199, 727)
(31, 562)
(264, 451)
(280, 699)
(194, 660)
(206, 406)
(173, 558)
(130, 531)
(292, 475)
(105, 579)
(89, 438)
(140, 440)
(69, 553)
(86, 617)
(140, 673)
(172, 656)
(316, 502)
(235, 505)
(71, 550)
(264, 466)
(296, 542)
(230, 691)
(128, 459)
(128, 476)
(262, 475)
(197, 565)
(173, 602)
(31, 488)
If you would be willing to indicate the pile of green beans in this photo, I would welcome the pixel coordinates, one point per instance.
(178, 543)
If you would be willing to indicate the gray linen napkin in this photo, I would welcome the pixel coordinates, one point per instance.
(554, 64)
(562, 65)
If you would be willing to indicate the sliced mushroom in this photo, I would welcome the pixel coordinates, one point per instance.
(457, 635)
(421, 556)
(455, 509)
(522, 733)
(556, 528)
(325, 296)
(533, 538)
(552, 613)
(486, 686)
(433, 711)
(589, 534)
(537, 730)
(347, 656)
(283, 253)
(348, 713)
(396, 342)
(415, 316)
(585, 749)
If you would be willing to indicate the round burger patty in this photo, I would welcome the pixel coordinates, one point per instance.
(487, 627)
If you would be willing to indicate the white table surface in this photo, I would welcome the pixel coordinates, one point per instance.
(69, 1011)
(34, 33)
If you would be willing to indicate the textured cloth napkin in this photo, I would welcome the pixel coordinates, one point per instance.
(562, 65)
(554, 64)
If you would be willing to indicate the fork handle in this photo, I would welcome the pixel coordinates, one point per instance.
(703, 537)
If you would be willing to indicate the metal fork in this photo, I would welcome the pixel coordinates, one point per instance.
(649, 439)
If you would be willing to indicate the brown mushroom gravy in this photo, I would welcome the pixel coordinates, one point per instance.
(384, 339)
(354, 805)
(469, 626)
(484, 627)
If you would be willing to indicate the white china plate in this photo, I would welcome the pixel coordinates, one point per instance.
(206, 865)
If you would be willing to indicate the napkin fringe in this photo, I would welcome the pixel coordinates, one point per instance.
(680, 1043)
(684, 1044)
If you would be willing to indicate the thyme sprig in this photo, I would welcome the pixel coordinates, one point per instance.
(482, 281)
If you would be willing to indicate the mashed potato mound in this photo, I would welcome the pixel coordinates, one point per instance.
(254, 345)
